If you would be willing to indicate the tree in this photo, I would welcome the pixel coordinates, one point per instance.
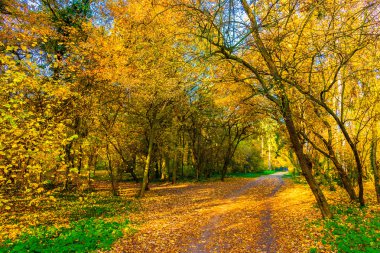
(304, 48)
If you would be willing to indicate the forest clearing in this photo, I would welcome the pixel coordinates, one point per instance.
(189, 126)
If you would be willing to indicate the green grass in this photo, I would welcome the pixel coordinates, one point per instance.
(81, 236)
(93, 221)
(288, 175)
(296, 178)
(97, 206)
(352, 230)
(252, 174)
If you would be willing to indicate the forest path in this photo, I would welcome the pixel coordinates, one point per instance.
(265, 241)
(239, 215)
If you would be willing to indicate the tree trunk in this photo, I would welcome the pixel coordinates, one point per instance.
(359, 167)
(89, 164)
(174, 171)
(269, 156)
(80, 162)
(196, 161)
(144, 184)
(157, 171)
(69, 164)
(332, 156)
(133, 167)
(165, 168)
(133, 174)
(113, 177)
(304, 161)
(344, 178)
(227, 160)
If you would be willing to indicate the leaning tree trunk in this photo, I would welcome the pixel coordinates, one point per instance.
(332, 156)
(351, 143)
(344, 178)
(304, 161)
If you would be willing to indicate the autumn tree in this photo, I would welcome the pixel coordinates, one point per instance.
(294, 49)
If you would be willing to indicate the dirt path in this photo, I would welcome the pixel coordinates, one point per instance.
(240, 215)
(266, 239)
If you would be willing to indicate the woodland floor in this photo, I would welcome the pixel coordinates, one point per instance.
(266, 214)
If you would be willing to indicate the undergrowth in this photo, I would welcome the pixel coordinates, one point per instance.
(352, 230)
(252, 174)
(74, 223)
(80, 236)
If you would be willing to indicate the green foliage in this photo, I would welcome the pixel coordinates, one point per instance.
(81, 236)
(313, 250)
(98, 207)
(92, 205)
(296, 177)
(288, 175)
(252, 174)
(353, 230)
(90, 212)
(74, 212)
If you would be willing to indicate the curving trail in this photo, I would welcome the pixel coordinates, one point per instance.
(240, 215)
(265, 240)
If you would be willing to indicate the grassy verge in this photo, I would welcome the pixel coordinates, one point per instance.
(351, 230)
(216, 177)
(73, 223)
(288, 175)
(252, 174)
(80, 236)
(296, 178)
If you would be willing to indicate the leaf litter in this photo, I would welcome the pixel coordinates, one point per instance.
(267, 214)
